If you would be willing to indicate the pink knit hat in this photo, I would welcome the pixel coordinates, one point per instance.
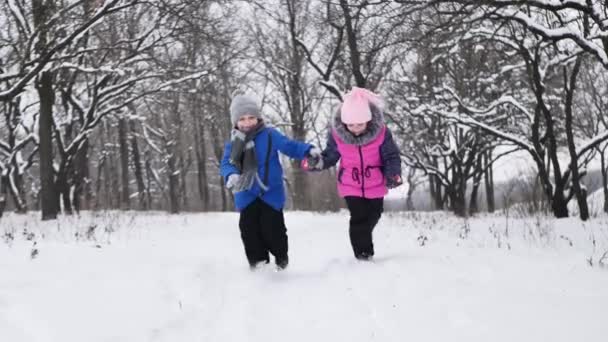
(355, 108)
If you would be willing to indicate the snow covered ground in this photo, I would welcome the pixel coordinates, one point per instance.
(154, 277)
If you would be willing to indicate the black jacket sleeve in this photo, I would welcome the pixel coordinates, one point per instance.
(330, 155)
(391, 157)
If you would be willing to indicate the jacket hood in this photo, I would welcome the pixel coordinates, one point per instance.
(374, 127)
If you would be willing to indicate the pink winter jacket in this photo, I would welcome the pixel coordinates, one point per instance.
(366, 161)
(360, 171)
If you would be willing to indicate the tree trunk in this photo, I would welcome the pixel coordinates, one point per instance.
(203, 186)
(108, 194)
(458, 191)
(201, 156)
(3, 191)
(457, 203)
(100, 170)
(351, 37)
(437, 192)
(473, 204)
(604, 177)
(137, 168)
(296, 101)
(82, 178)
(553, 193)
(63, 188)
(148, 166)
(460, 207)
(48, 195)
(300, 187)
(436, 188)
(13, 170)
(17, 190)
(409, 202)
(184, 167)
(173, 184)
(124, 163)
(432, 194)
(581, 197)
(173, 149)
(559, 205)
(489, 181)
(113, 180)
(300, 191)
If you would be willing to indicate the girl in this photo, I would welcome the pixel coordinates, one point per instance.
(369, 164)
(251, 169)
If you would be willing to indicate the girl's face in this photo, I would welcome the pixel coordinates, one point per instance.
(357, 128)
(246, 122)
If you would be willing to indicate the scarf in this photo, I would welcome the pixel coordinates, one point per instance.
(244, 158)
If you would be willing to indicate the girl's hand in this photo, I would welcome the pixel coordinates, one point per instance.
(312, 164)
(393, 181)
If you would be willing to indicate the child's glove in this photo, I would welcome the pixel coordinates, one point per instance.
(393, 181)
(233, 179)
(313, 160)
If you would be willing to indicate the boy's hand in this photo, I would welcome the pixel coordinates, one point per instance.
(233, 179)
(393, 181)
(314, 152)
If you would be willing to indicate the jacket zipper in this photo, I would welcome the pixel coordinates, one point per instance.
(362, 173)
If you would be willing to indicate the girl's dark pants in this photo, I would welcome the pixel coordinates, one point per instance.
(364, 215)
(263, 230)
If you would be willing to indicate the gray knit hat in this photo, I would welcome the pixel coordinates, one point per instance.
(243, 104)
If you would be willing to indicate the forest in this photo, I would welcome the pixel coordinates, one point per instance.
(124, 104)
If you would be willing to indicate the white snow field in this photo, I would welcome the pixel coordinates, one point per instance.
(156, 277)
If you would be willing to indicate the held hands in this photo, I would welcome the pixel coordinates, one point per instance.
(393, 181)
(313, 160)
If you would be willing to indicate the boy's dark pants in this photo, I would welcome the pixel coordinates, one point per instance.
(263, 230)
(364, 215)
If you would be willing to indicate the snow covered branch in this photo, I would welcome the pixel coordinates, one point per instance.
(40, 63)
(491, 108)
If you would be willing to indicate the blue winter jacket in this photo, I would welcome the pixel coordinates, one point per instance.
(275, 196)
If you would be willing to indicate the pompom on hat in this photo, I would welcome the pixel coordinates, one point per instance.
(356, 106)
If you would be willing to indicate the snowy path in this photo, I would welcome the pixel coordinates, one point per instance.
(185, 278)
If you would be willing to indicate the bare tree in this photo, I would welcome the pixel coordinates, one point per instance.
(551, 65)
(592, 104)
(541, 139)
(449, 153)
(584, 23)
(13, 151)
(44, 84)
(287, 73)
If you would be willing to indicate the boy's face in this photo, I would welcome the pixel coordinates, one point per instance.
(246, 122)
(357, 128)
